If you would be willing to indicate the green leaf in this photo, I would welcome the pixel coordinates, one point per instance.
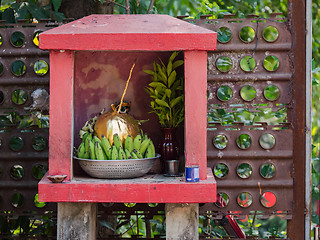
(8, 15)
(173, 56)
(152, 95)
(24, 123)
(21, 10)
(180, 120)
(149, 72)
(172, 78)
(175, 85)
(164, 97)
(155, 77)
(162, 62)
(315, 219)
(157, 85)
(168, 92)
(177, 64)
(56, 4)
(162, 74)
(160, 90)
(160, 109)
(169, 68)
(36, 12)
(154, 67)
(164, 69)
(175, 101)
(162, 103)
(150, 91)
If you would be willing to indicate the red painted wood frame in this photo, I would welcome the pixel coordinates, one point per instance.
(149, 33)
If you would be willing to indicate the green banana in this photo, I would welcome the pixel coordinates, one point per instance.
(96, 139)
(91, 150)
(148, 153)
(114, 153)
(98, 151)
(128, 143)
(137, 142)
(138, 154)
(105, 144)
(84, 137)
(144, 146)
(153, 151)
(86, 143)
(128, 155)
(134, 156)
(81, 150)
(86, 155)
(122, 154)
(117, 141)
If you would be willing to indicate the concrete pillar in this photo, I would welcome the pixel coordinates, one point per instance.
(182, 221)
(77, 221)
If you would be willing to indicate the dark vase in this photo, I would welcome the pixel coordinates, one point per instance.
(168, 147)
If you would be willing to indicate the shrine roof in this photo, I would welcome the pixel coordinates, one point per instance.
(128, 33)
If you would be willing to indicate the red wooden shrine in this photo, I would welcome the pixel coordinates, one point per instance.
(90, 61)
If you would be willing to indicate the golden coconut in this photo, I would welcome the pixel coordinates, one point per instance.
(113, 122)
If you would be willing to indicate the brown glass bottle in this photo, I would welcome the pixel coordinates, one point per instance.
(168, 147)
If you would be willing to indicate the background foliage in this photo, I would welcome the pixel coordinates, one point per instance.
(38, 9)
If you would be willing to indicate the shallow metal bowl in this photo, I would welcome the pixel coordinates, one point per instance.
(128, 168)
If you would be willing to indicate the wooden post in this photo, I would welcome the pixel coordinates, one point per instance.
(77, 221)
(182, 221)
(195, 67)
(61, 113)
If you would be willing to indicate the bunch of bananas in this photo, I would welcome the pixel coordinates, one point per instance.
(92, 147)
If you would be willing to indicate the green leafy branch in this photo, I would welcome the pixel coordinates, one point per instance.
(30, 10)
(166, 92)
(14, 119)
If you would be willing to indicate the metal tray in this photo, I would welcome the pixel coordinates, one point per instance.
(128, 168)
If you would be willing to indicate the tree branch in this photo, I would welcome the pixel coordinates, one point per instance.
(150, 6)
(127, 7)
(115, 3)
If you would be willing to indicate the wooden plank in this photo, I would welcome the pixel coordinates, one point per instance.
(148, 189)
(308, 180)
(297, 15)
